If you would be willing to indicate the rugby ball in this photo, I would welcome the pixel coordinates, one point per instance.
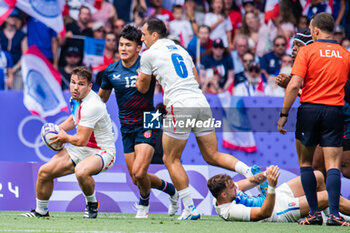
(47, 131)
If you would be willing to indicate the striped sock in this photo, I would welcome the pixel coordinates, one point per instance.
(167, 188)
(144, 200)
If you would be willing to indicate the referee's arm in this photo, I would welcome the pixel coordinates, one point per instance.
(289, 98)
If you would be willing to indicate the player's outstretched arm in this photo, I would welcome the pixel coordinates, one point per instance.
(265, 211)
(143, 82)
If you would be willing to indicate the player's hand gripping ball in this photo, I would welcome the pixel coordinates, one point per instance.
(47, 131)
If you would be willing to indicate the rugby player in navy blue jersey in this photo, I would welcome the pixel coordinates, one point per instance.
(138, 142)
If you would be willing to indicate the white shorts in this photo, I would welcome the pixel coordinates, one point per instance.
(79, 153)
(287, 207)
(186, 115)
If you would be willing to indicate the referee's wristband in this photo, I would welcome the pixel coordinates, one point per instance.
(271, 190)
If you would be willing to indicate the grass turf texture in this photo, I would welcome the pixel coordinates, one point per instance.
(117, 222)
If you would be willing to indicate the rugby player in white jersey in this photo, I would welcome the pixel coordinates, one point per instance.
(173, 68)
(287, 203)
(92, 148)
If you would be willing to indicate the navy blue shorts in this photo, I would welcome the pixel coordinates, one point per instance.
(137, 136)
(320, 124)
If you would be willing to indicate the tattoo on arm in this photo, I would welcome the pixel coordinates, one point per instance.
(257, 179)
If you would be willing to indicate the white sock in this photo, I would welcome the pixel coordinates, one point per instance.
(186, 197)
(326, 211)
(243, 169)
(91, 198)
(42, 206)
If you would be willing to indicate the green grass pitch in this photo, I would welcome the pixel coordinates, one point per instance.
(117, 222)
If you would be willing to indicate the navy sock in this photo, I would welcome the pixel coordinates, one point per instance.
(308, 180)
(167, 188)
(333, 188)
(144, 200)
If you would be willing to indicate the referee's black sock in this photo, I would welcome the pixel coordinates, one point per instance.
(333, 184)
(308, 180)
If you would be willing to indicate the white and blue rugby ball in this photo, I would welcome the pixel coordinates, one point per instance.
(47, 131)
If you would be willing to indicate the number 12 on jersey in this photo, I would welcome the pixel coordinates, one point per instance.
(179, 65)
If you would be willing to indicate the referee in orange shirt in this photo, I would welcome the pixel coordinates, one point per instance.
(323, 69)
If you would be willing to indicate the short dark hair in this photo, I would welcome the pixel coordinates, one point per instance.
(324, 22)
(179, 7)
(156, 25)
(84, 7)
(204, 26)
(279, 37)
(132, 33)
(83, 72)
(218, 183)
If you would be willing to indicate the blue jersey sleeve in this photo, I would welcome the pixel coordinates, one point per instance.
(106, 84)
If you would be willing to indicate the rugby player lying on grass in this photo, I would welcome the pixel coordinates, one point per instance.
(287, 203)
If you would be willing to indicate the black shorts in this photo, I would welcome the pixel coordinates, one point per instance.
(346, 144)
(137, 136)
(320, 124)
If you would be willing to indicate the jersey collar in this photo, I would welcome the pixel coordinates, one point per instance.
(327, 41)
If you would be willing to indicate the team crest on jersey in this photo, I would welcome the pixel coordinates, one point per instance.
(147, 134)
(291, 204)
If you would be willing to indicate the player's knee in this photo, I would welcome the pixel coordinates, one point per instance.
(44, 173)
(80, 173)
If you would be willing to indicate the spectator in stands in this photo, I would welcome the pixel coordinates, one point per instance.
(217, 62)
(81, 26)
(271, 62)
(250, 28)
(233, 13)
(339, 7)
(75, 33)
(14, 42)
(109, 52)
(247, 59)
(98, 30)
(139, 16)
(180, 27)
(249, 6)
(267, 33)
(303, 23)
(198, 45)
(241, 47)
(220, 25)
(44, 38)
(125, 8)
(254, 85)
(345, 43)
(6, 72)
(193, 15)
(339, 33)
(105, 13)
(73, 59)
(159, 12)
(118, 27)
(317, 6)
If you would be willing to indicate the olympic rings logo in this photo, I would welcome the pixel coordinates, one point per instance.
(37, 144)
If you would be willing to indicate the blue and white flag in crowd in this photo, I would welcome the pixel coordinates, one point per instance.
(48, 12)
(93, 51)
(6, 7)
(236, 133)
(42, 93)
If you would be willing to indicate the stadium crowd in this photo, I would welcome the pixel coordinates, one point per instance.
(232, 45)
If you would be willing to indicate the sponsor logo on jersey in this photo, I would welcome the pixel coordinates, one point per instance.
(291, 204)
(147, 134)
